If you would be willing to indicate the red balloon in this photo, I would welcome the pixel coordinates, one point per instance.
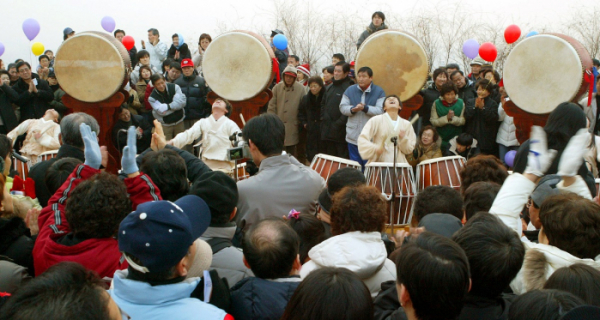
(128, 42)
(488, 52)
(512, 33)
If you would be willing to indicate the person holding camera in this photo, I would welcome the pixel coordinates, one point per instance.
(215, 132)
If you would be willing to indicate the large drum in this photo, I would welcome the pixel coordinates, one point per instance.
(398, 61)
(545, 70)
(327, 165)
(238, 65)
(440, 172)
(379, 175)
(92, 66)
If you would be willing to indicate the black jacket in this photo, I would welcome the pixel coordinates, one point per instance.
(194, 88)
(333, 124)
(7, 96)
(429, 96)
(255, 298)
(38, 171)
(33, 105)
(119, 133)
(467, 92)
(195, 166)
(521, 163)
(483, 124)
(133, 57)
(15, 242)
(184, 53)
(309, 115)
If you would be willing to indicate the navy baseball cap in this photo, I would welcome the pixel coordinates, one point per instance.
(159, 233)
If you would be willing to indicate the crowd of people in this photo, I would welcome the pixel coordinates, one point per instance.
(173, 235)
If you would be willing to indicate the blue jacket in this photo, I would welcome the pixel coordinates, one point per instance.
(255, 298)
(372, 98)
(140, 300)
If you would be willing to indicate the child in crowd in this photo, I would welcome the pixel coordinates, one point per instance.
(463, 145)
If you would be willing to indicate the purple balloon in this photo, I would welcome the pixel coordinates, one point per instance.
(108, 24)
(471, 48)
(1, 49)
(509, 158)
(31, 28)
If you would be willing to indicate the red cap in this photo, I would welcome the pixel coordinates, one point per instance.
(187, 63)
(352, 63)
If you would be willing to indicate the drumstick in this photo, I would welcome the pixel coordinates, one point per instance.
(414, 119)
(242, 117)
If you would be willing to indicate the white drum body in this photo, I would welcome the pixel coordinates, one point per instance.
(92, 66)
(545, 70)
(398, 61)
(238, 65)
(326, 165)
(380, 175)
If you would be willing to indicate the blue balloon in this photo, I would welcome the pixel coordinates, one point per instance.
(509, 158)
(531, 33)
(280, 42)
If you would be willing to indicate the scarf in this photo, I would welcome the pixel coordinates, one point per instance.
(446, 104)
(181, 41)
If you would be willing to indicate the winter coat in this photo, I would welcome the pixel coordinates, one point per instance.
(173, 98)
(360, 252)
(369, 31)
(309, 116)
(184, 52)
(197, 60)
(229, 261)
(57, 103)
(483, 124)
(285, 104)
(507, 132)
(33, 105)
(158, 53)
(422, 153)
(333, 124)
(8, 96)
(140, 300)
(521, 163)
(119, 133)
(467, 92)
(282, 183)
(260, 299)
(467, 154)
(439, 119)
(429, 96)
(15, 242)
(215, 137)
(372, 98)
(194, 88)
(541, 260)
(33, 147)
(100, 255)
(378, 132)
(38, 171)
(591, 112)
(134, 76)
(12, 276)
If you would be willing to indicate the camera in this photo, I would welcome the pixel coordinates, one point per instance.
(240, 149)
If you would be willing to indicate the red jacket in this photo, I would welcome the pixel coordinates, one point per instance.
(100, 255)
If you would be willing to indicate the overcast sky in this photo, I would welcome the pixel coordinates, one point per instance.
(191, 18)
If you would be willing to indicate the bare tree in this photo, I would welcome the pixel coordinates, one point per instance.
(585, 26)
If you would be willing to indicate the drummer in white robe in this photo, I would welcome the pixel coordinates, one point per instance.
(374, 142)
(215, 131)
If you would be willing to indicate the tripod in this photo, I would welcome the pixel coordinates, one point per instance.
(393, 200)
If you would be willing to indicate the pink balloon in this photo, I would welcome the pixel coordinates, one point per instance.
(31, 28)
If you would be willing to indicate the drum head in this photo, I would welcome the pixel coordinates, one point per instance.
(237, 66)
(90, 67)
(398, 61)
(541, 72)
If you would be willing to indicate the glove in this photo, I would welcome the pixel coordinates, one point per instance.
(93, 157)
(572, 158)
(539, 158)
(162, 107)
(128, 163)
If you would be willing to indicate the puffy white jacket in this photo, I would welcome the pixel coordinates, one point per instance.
(507, 133)
(360, 252)
(540, 260)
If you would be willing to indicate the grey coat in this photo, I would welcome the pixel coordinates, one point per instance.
(369, 31)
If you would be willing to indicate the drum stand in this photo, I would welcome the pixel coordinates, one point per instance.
(394, 185)
(524, 120)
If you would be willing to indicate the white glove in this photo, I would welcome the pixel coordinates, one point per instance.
(572, 158)
(539, 158)
(162, 107)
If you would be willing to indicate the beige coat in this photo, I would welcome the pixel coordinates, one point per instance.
(284, 104)
(33, 147)
(378, 131)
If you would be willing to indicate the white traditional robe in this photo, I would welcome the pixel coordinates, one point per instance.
(378, 132)
(33, 147)
(215, 140)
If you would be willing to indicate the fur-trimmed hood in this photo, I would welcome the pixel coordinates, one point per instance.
(540, 263)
